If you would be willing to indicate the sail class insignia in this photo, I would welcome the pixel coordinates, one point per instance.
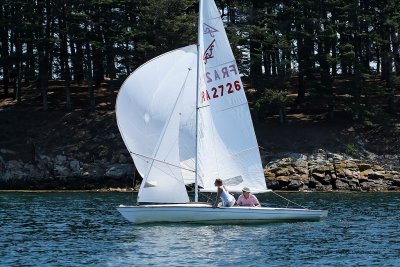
(209, 30)
(209, 52)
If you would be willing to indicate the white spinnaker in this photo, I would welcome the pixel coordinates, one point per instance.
(228, 147)
(151, 112)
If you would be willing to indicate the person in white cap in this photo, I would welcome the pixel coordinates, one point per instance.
(247, 199)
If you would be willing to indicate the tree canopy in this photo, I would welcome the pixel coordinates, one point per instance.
(304, 46)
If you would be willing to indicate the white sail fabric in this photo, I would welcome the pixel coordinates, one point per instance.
(227, 145)
(154, 115)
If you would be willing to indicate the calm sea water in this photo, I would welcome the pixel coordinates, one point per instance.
(76, 229)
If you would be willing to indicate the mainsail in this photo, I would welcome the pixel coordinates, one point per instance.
(227, 146)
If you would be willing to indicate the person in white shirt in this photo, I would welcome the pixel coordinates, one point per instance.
(227, 199)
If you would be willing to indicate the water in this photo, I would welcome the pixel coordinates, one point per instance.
(76, 229)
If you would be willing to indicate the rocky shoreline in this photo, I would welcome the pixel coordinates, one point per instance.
(83, 150)
(324, 171)
(319, 171)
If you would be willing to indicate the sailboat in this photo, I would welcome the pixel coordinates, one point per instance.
(185, 119)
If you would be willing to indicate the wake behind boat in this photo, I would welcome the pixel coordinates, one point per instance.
(185, 119)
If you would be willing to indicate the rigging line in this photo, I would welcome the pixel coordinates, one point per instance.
(161, 161)
(238, 105)
(167, 123)
(170, 174)
(162, 170)
(243, 151)
(288, 200)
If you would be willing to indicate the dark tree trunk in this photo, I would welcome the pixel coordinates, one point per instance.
(18, 71)
(110, 59)
(89, 76)
(386, 56)
(357, 80)
(64, 60)
(378, 60)
(30, 61)
(267, 63)
(98, 68)
(334, 56)
(79, 60)
(5, 52)
(396, 48)
(255, 46)
(301, 93)
(43, 51)
(288, 60)
(302, 87)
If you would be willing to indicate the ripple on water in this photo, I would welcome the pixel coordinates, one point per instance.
(76, 229)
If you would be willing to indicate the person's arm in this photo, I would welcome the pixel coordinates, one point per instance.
(219, 190)
(257, 203)
(239, 201)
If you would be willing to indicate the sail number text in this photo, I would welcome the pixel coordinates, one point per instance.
(220, 91)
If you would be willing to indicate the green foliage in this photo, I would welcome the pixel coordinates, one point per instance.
(352, 150)
(296, 45)
(271, 102)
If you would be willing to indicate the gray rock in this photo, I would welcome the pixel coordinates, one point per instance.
(61, 171)
(295, 185)
(120, 170)
(341, 185)
(61, 158)
(75, 167)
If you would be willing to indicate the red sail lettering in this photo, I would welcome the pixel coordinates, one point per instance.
(222, 89)
(237, 85)
(229, 85)
(208, 95)
(215, 95)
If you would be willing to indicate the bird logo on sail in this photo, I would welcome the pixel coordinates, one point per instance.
(209, 30)
(209, 52)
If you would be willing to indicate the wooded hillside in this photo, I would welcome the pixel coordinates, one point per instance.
(320, 49)
(321, 77)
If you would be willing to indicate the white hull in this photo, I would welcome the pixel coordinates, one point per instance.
(204, 213)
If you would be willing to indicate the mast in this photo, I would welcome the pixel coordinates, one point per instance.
(199, 32)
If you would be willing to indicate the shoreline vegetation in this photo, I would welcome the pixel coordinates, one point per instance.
(83, 150)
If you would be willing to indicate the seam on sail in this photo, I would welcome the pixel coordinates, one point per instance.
(204, 106)
(216, 66)
(160, 161)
